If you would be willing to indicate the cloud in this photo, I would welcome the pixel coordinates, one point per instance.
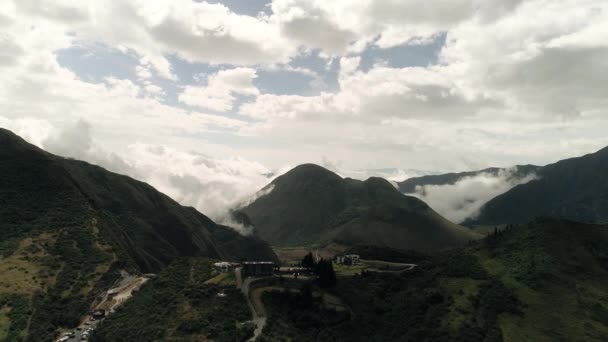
(219, 94)
(506, 90)
(211, 185)
(412, 92)
(194, 31)
(515, 81)
(10, 51)
(311, 26)
(463, 199)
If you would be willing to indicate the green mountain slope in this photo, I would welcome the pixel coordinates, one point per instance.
(181, 305)
(544, 281)
(67, 226)
(575, 189)
(409, 185)
(310, 204)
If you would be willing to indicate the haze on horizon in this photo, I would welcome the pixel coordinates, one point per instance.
(202, 99)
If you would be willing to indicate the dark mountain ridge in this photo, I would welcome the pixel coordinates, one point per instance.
(310, 205)
(146, 226)
(575, 189)
(68, 227)
(409, 185)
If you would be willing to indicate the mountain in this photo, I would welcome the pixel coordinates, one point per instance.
(542, 281)
(67, 227)
(310, 205)
(575, 189)
(409, 185)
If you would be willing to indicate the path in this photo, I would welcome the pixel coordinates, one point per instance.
(258, 319)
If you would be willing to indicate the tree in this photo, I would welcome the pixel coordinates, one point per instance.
(326, 273)
(308, 261)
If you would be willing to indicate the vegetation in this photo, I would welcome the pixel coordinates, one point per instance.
(67, 227)
(298, 317)
(539, 282)
(311, 205)
(325, 271)
(308, 261)
(180, 306)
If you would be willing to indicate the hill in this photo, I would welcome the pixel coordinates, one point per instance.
(182, 304)
(67, 227)
(409, 185)
(575, 189)
(310, 205)
(543, 281)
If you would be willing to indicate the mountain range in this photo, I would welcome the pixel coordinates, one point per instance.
(312, 205)
(67, 227)
(518, 172)
(575, 189)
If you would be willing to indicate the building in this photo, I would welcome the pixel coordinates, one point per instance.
(348, 259)
(223, 266)
(353, 258)
(258, 268)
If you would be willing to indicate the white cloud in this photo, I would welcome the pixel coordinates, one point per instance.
(194, 31)
(517, 81)
(381, 92)
(210, 184)
(219, 94)
(349, 65)
(462, 200)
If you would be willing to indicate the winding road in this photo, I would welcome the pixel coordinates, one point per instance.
(258, 314)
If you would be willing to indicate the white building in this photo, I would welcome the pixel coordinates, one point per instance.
(223, 266)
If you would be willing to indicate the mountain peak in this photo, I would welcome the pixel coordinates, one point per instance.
(7, 136)
(11, 143)
(379, 182)
(309, 169)
(312, 205)
(307, 174)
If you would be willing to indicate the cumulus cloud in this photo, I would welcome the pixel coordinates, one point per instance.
(413, 92)
(219, 94)
(463, 199)
(506, 89)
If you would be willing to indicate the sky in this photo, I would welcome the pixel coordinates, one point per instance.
(203, 99)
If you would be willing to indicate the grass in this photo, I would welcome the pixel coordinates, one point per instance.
(560, 282)
(18, 276)
(26, 270)
(223, 279)
(460, 290)
(5, 323)
(347, 271)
